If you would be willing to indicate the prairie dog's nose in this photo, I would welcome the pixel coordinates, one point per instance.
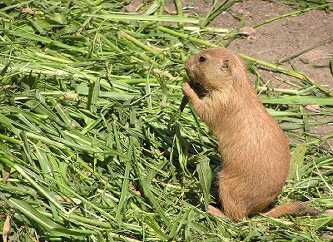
(189, 67)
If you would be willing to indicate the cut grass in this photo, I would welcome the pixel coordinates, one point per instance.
(91, 145)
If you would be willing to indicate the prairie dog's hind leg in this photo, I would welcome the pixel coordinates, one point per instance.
(233, 206)
(231, 210)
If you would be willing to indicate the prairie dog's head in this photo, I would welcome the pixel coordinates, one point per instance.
(215, 69)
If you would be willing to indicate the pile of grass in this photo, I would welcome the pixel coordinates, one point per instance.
(93, 147)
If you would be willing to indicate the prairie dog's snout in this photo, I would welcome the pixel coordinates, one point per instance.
(189, 72)
(192, 68)
(189, 68)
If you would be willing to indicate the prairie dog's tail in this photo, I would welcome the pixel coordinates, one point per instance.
(294, 209)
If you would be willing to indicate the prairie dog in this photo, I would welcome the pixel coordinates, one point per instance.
(254, 149)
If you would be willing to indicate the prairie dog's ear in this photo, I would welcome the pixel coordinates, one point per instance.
(225, 64)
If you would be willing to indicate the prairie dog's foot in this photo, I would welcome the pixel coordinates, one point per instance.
(215, 211)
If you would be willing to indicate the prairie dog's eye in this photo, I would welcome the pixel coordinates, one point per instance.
(202, 58)
(225, 64)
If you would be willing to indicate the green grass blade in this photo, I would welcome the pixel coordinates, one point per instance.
(205, 179)
(161, 18)
(33, 214)
(51, 198)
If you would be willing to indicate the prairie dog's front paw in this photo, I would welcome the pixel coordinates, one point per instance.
(188, 91)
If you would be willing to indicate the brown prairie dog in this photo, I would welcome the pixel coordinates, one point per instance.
(254, 149)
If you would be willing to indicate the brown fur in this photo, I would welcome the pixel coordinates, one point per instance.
(254, 148)
(295, 209)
